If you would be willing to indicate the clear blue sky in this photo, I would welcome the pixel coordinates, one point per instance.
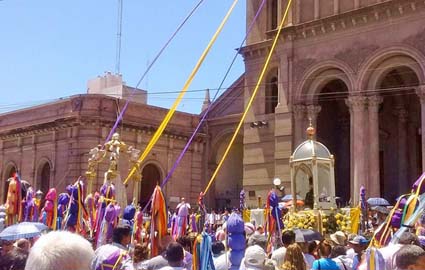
(49, 49)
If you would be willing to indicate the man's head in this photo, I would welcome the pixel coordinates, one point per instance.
(174, 254)
(23, 244)
(288, 238)
(410, 257)
(217, 248)
(408, 238)
(122, 235)
(60, 250)
(358, 243)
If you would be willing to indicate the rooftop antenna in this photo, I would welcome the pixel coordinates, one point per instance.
(119, 29)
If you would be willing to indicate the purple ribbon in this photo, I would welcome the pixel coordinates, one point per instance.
(119, 118)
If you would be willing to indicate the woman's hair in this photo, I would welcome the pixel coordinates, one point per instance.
(325, 248)
(141, 253)
(294, 258)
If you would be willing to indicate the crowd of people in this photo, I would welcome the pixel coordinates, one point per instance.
(66, 250)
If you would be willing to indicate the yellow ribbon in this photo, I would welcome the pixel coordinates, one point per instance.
(173, 108)
(254, 93)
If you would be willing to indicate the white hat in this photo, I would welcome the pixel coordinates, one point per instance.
(249, 228)
(255, 257)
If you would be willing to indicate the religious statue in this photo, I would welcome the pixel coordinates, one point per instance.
(112, 149)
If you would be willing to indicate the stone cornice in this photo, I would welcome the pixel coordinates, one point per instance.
(62, 124)
(365, 16)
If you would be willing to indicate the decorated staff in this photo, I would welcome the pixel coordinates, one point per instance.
(138, 226)
(49, 212)
(90, 204)
(202, 212)
(107, 195)
(242, 200)
(236, 229)
(13, 201)
(73, 220)
(63, 202)
(274, 218)
(31, 211)
(202, 253)
(158, 220)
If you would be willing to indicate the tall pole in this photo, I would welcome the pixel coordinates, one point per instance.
(119, 29)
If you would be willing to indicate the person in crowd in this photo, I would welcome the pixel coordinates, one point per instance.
(141, 254)
(294, 258)
(220, 256)
(310, 253)
(388, 252)
(115, 253)
(410, 257)
(325, 262)
(255, 258)
(14, 260)
(61, 250)
(288, 238)
(159, 261)
(257, 239)
(358, 244)
(339, 255)
(338, 239)
(186, 243)
(175, 256)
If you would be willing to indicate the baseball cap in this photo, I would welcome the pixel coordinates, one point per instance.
(359, 240)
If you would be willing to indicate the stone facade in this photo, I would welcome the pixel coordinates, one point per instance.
(50, 144)
(355, 68)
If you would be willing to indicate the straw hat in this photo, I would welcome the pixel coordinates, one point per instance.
(338, 238)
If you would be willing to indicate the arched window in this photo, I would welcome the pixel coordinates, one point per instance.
(273, 14)
(271, 95)
(43, 181)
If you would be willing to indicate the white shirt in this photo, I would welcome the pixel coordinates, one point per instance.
(278, 256)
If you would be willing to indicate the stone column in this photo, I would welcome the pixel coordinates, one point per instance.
(316, 9)
(358, 111)
(420, 91)
(312, 114)
(403, 156)
(373, 145)
(300, 112)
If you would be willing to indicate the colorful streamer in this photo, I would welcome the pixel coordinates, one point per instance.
(205, 114)
(251, 100)
(173, 108)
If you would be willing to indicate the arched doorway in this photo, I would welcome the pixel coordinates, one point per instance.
(229, 180)
(10, 171)
(151, 176)
(399, 126)
(43, 177)
(333, 130)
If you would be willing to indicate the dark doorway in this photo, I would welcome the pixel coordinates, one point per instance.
(45, 178)
(151, 176)
(333, 130)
